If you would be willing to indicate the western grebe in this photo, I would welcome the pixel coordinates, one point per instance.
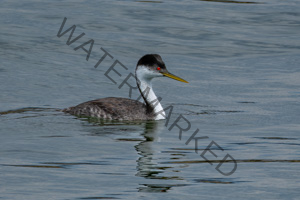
(148, 67)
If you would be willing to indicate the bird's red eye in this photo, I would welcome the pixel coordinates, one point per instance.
(158, 68)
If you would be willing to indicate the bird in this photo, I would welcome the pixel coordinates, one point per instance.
(148, 67)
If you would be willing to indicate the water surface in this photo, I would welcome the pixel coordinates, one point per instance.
(240, 57)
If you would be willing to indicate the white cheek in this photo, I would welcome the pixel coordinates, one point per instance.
(145, 73)
(154, 74)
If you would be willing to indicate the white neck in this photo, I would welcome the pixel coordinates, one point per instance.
(145, 77)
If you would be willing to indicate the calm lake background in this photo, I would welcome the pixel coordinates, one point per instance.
(242, 63)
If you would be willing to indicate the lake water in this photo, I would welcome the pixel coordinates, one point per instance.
(241, 59)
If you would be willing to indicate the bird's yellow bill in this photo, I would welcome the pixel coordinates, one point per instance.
(174, 77)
